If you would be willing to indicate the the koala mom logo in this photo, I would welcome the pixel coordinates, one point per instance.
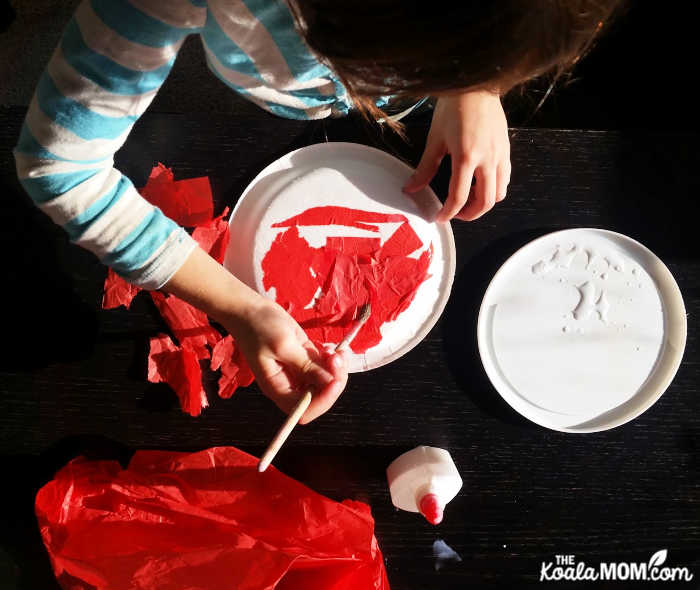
(565, 567)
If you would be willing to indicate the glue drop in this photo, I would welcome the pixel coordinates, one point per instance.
(423, 480)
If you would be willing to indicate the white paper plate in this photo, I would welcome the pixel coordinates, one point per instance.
(354, 176)
(582, 330)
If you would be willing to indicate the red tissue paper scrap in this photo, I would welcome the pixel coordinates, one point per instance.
(205, 520)
(190, 326)
(117, 291)
(188, 202)
(213, 235)
(322, 288)
(235, 371)
(178, 367)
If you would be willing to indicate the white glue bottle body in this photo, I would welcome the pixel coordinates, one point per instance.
(424, 480)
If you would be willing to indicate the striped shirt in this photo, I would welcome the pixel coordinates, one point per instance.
(110, 62)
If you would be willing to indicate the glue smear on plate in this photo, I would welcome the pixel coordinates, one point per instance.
(573, 325)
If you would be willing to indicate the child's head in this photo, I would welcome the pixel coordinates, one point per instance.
(417, 48)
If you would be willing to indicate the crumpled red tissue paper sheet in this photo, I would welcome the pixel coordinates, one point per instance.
(322, 288)
(202, 521)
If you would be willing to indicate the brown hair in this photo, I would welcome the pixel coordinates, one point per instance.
(416, 48)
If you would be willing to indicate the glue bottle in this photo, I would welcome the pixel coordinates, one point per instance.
(423, 480)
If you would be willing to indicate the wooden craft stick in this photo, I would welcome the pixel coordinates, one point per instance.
(286, 429)
(298, 411)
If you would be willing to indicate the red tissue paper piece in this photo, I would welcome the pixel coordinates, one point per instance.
(190, 325)
(179, 368)
(235, 371)
(332, 215)
(117, 291)
(213, 236)
(187, 202)
(322, 288)
(206, 520)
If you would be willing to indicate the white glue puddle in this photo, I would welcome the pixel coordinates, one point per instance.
(575, 328)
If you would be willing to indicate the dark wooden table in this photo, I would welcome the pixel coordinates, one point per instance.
(72, 377)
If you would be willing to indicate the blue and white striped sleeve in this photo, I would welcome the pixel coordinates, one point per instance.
(112, 58)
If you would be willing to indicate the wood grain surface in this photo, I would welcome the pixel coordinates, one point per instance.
(73, 377)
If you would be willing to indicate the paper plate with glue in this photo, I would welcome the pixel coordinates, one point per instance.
(326, 229)
(582, 330)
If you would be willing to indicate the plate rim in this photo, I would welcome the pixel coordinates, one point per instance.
(650, 400)
(444, 229)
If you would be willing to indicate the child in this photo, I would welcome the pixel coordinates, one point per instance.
(309, 59)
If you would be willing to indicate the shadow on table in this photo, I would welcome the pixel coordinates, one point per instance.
(460, 320)
(655, 200)
(44, 317)
(24, 563)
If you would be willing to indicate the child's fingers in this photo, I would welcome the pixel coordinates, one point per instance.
(275, 383)
(460, 184)
(286, 375)
(484, 195)
(427, 167)
(304, 362)
(297, 367)
(324, 399)
(502, 180)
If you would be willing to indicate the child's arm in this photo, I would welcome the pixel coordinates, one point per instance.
(113, 57)
(109, 65)
(472, 128)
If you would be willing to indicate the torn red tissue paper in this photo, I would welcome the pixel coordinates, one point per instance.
(213, 236)
(235, 371)
(117, 291)
(322, 288)
(179, 368)
(353, 245)
(332, 215)
(205, 520)
(190, 326)
(187, 202)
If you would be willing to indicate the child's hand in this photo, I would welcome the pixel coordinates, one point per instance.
(472, 128)
(285, 362)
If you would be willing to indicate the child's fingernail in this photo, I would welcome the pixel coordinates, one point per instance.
(337, 361)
